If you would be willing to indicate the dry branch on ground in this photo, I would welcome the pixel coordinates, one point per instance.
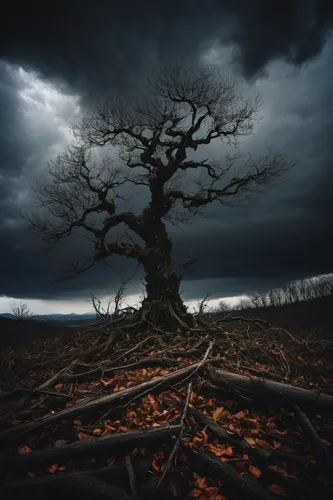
(111, 411)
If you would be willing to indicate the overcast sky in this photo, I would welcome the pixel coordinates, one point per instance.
(56, 62)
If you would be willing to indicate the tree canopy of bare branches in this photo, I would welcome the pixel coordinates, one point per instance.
(21, 310)
(154, 140)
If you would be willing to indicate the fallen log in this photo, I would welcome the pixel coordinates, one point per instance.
(40, 486)
(88, 485)
(243, 446)
(321, 452)
(244, 488)
(268, 389)
(93, 488)
(262, 457)
(99, 403)
(101, 446)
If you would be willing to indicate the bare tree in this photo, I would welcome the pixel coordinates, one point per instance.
(154, 139)
(243, 305)
(21, 310)
(224, 307)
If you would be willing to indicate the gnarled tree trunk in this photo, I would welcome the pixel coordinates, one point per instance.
(162, 300)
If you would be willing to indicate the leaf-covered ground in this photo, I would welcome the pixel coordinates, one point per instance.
(231, 443)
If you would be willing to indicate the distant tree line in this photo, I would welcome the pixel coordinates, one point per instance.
(292, 293)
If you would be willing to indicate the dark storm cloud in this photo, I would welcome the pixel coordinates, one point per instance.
(106, 43)
(94, 47)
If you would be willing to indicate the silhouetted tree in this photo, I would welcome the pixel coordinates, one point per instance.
(154, 139)
(21, 310)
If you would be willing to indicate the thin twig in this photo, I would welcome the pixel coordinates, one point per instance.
(204, 359)
(177, 443)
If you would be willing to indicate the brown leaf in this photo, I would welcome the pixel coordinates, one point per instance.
(82, 435)
(263, 444)
(217, 413)
(201, 482)
(24, 449)
(255, 471)
(155, 466)
(251, 422)
(110, 461)
(77, 422)
(62, 467)
(97, 432)
(250, 440)
(53, 468)
(240, 415)
(31, 474)
(211, 491)
(275, 488)
(195, 493)
(228, 451)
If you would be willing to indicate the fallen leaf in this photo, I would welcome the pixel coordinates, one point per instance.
(110, 461)
(53, 468)
(108, 428)
(275, 488)
(82, 435)
(211, 492)
(217, 413)
(240, 415)
(228, 451)
(97, 432)
(58, 387)
(251, 422)
(250, 440)
(31, 474)
(201, 482)
(155, 466)
(255, 471)
(24, 449)
(77, 422)
(195, 493)
(62, 467)
(263, 444)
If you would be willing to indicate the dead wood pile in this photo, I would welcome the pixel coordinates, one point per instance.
(209, 413)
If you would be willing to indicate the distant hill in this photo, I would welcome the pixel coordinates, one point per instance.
(63, 319)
